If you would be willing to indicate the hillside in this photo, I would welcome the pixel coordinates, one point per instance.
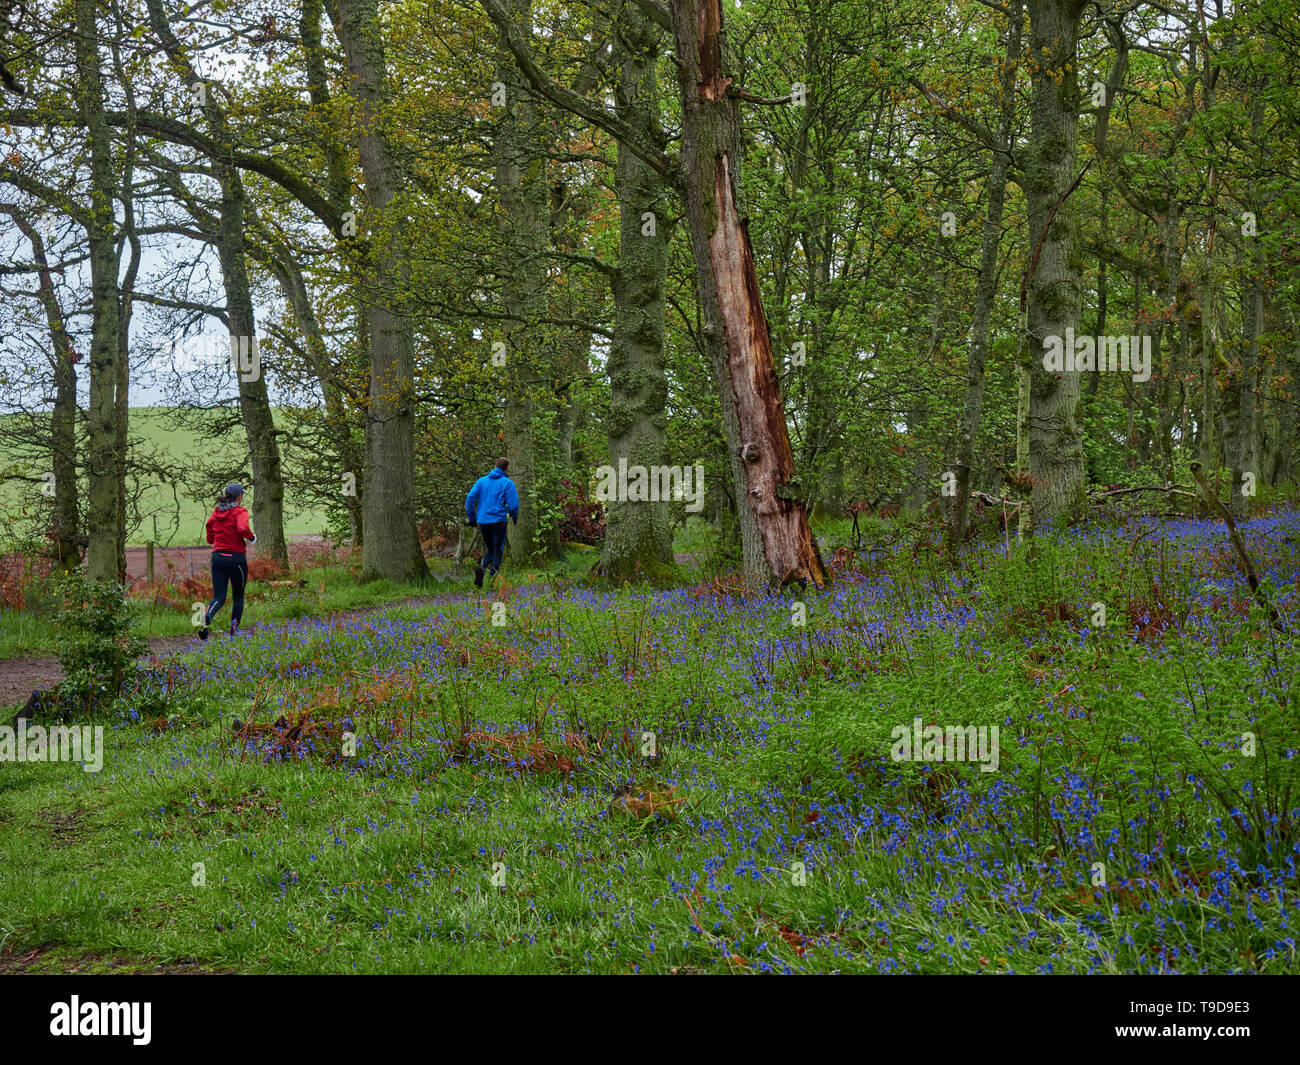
(172, 513)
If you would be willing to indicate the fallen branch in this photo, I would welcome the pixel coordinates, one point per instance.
(1172, 489)
(992, 500)
(1252, 578)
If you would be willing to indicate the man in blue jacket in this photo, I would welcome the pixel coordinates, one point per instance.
(489, 502)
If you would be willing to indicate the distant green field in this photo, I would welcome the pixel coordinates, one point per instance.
(176, 511)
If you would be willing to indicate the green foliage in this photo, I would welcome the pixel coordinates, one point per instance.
(1037, 583)
(522, 744)
(98, 648)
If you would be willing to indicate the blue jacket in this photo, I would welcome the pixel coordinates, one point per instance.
(492, 498)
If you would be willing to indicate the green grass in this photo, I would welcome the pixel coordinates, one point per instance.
(385, 862)
(178, 515)
(328, 590)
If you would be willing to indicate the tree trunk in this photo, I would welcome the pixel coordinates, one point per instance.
(920, 487)
(776, 539)
(532, 442)
(392, 544)
(63, 413)
(1252, 327)
(63, 434)
(339, 182)
(813, 174)
(229, 238)
(1171, 250)
(279, 258)
(638, 536)
(1287, 415)
(102, 459)
(986, 284)
(254, 401)
(122, 404)
(1025, 358)
(573, 345)
(1208, 451)
(824, 448)
(1054, 290)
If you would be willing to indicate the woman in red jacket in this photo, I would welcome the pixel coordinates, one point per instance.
(228, 530)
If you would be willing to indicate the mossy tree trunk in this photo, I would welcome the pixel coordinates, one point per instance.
(391, 547)
(986, 284)
(638, 537)
(1055, 433)
(102, 459)
(531, 417)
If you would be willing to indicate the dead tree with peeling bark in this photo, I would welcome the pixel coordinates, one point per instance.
(777, 544)
(776, 539)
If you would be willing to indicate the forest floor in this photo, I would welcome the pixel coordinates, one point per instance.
(547, 777)
(43, 961)
(20, 676)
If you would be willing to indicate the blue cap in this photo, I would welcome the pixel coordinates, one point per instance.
(234, 490)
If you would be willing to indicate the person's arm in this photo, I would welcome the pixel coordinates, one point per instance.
(471, 504)
(512, 501)
(245, 530)
(208, 529)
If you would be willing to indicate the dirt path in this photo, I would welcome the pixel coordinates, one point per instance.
(19, 677)
(45, 960)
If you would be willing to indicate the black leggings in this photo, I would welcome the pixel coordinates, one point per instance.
(232, 568)
(494, 539)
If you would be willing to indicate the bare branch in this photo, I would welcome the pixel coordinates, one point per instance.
(770, 101)
(571, 101)
(977, 129)
(169, 129)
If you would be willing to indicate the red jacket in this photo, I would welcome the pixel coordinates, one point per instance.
(228, 528)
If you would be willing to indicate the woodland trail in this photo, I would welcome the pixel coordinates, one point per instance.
(19, 677)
